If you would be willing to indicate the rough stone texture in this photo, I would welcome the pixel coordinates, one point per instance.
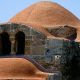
(64, 31)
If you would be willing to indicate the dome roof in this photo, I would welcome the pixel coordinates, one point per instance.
(46, 14)
(19, 68)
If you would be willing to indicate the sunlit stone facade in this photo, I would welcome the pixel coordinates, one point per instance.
(34, 41)
(59, 49)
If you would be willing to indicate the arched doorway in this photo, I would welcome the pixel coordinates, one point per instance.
(5, 44)
(20, 43)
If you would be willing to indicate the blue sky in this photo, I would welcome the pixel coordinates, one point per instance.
(8, 8)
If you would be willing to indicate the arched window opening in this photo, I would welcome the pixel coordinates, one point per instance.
(20, 43)
(5, 44)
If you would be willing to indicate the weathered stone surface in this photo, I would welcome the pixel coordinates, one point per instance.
(64, 31)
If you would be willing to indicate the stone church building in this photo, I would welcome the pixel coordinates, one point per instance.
(31, 30)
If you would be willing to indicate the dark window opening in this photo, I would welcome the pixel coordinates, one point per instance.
(20, 43)
(5, 44)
